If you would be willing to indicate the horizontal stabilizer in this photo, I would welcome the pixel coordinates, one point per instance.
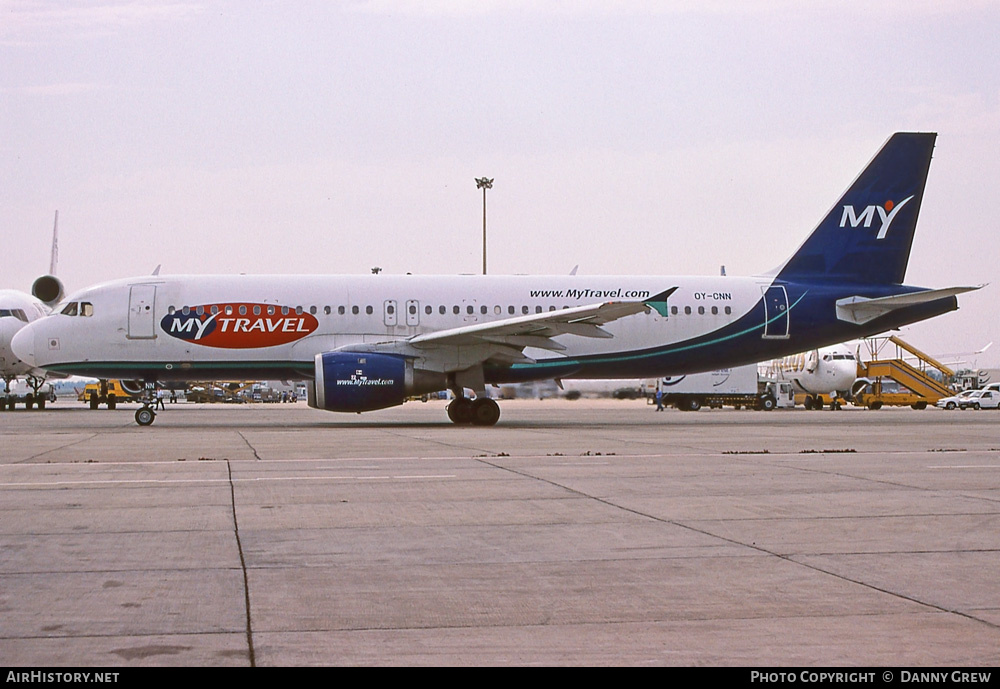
(860, 310)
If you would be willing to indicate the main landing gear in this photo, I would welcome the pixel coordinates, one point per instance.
(481, 411)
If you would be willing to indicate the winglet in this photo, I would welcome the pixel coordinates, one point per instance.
(659, 302)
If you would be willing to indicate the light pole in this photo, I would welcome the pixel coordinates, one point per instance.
(484, 184)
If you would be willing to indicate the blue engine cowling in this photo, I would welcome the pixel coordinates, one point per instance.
(360, 381)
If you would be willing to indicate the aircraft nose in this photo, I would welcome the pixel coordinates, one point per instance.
(6, 335)
(23, 345)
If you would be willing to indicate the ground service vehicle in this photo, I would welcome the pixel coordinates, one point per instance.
(738, 387)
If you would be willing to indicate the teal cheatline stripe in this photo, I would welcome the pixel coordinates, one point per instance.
(668, 349)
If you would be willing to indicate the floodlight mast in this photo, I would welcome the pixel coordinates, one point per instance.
(484, 184)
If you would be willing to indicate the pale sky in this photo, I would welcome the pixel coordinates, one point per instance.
(624, 137)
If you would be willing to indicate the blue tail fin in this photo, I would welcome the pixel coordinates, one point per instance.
(866, 237)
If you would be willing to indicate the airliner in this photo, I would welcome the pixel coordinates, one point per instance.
(824, 372)
(17, 309)
(370, 342)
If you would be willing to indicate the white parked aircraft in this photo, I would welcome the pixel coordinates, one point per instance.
(826, 371)
(368, 342)
(17, 309)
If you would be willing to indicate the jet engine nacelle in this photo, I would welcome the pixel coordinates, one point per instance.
(364, 381)
(48, 289)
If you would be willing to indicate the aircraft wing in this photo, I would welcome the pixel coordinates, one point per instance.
(503, 341)
(536, 330)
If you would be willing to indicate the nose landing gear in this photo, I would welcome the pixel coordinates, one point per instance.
(144, 415)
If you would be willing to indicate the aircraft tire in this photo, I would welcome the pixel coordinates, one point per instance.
(144, 416)
(485, 412)
(460, 410)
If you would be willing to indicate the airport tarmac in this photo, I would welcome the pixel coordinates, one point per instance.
(573, 533)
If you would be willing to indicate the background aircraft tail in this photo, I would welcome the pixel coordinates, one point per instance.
(866, 236)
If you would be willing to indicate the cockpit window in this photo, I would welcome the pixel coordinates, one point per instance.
(78, 308)
(14, 313)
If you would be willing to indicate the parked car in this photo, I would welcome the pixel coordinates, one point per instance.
(955, 401)
(984, 399)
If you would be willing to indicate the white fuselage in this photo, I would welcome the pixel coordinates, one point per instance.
(17, 309)
(819, 371)
(301, 316)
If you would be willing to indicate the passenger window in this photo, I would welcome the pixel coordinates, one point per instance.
(469, 309)
(687, 310)
(428, 309)
(715, 310)
(482, 309)
(728, 310)
(455, 310)
(341, 310)
(524, 310)
(369, 310)
(701, 310)
(355, 310)
(673, 310)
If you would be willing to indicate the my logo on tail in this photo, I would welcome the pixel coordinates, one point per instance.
(886, 214)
